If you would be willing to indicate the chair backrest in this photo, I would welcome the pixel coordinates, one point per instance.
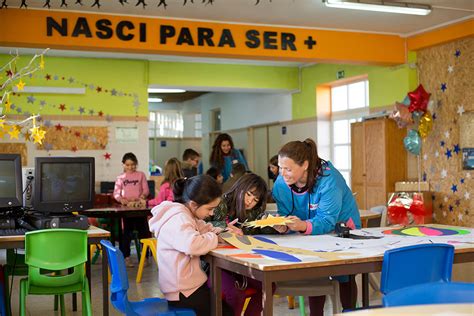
(382, 210)
(431, 293)
(151, 187)
(417, 264)
(55, 250)
(119, 285)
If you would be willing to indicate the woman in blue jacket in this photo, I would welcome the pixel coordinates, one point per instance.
(312, 193)
(224, 155)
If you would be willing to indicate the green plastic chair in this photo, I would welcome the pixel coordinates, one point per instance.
(48, 254)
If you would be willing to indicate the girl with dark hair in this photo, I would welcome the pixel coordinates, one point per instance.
(131, 186)
(273, 168)
(315, 196)
(245, 201)
(183, 236)
(224, 155)
(173, 172)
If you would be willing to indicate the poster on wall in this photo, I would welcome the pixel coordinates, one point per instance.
(126, 135)
(468, 158)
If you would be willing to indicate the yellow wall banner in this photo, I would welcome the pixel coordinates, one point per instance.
(94, 32)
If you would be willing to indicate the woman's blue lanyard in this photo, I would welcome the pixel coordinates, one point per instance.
(293, 203)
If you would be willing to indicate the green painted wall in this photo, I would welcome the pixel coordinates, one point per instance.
(130, 79)
(127, 77)
(386, 84)
(221, 75)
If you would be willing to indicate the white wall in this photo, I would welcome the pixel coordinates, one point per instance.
(239, 110)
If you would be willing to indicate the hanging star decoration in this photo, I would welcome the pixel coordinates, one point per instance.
(107, 156)
(269, 221)
(37, 133)
(15, 79)
(419, 99)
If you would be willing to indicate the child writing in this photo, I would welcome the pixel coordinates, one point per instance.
(173, 172)
(246, 201)
(183, 236)
(131, 186)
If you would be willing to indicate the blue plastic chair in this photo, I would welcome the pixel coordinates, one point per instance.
(119, 286)
(431, 293)
(408, 266)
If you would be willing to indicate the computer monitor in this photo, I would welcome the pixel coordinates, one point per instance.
(64, 184)
(10, 182)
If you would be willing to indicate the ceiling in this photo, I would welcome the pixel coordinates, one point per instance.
(176, 97)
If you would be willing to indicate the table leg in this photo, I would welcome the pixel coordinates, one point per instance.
(365, 289)
(267, 297)
(105, 284)
(216, 291)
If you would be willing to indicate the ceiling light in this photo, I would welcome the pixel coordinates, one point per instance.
(155, 100)
(380, 6)
(157, 90)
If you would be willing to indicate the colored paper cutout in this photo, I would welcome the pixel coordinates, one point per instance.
(251, 243)
(261, 238)
(246, 255)
(422, 231)
(270, 221)
(277, 255)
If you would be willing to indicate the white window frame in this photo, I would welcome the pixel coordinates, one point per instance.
(349, 114)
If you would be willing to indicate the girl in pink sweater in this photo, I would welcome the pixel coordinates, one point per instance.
(131, 186)
(172, 173)
(183, 237)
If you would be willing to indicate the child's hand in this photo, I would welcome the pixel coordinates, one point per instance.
(220, 240)
(124, 201)
(233, 229)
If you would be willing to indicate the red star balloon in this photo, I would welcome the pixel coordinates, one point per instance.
(107, 156)
(418, 99)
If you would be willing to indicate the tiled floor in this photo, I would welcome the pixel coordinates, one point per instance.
(43, 305)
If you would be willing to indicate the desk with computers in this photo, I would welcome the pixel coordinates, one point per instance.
(47, 199)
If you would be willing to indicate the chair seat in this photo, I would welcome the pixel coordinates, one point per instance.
(158, 306)
(316, 287)
(39, 290)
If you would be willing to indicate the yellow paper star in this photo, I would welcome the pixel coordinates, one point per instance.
(38, 139)
(269, 221)
(20, 85)
(2, 133)
(14, 132)
(41, 63)
(2, 121)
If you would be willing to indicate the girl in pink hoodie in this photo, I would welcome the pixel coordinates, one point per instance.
(172, 173)
(131, 186)
(183, 237)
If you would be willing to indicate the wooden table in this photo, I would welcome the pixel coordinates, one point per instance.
(418, 310)
(366, 215)
(94, 236)
(117, 213)
(269, 273)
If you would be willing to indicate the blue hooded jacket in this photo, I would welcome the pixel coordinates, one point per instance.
(331, 201)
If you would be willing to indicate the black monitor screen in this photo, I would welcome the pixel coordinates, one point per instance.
(65, 182)
(10, 181)
(7, 177)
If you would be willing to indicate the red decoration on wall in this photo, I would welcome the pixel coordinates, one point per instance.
(62, 107)
(59, 127)
(107, 156)
(418, 99)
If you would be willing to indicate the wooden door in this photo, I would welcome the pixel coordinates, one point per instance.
(375, 162)
(358, 164)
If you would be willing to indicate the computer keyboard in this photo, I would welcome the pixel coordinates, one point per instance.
(13, 232)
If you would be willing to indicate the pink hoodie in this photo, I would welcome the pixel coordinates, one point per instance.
(181, 240)
(165, 194)
(131, 186)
